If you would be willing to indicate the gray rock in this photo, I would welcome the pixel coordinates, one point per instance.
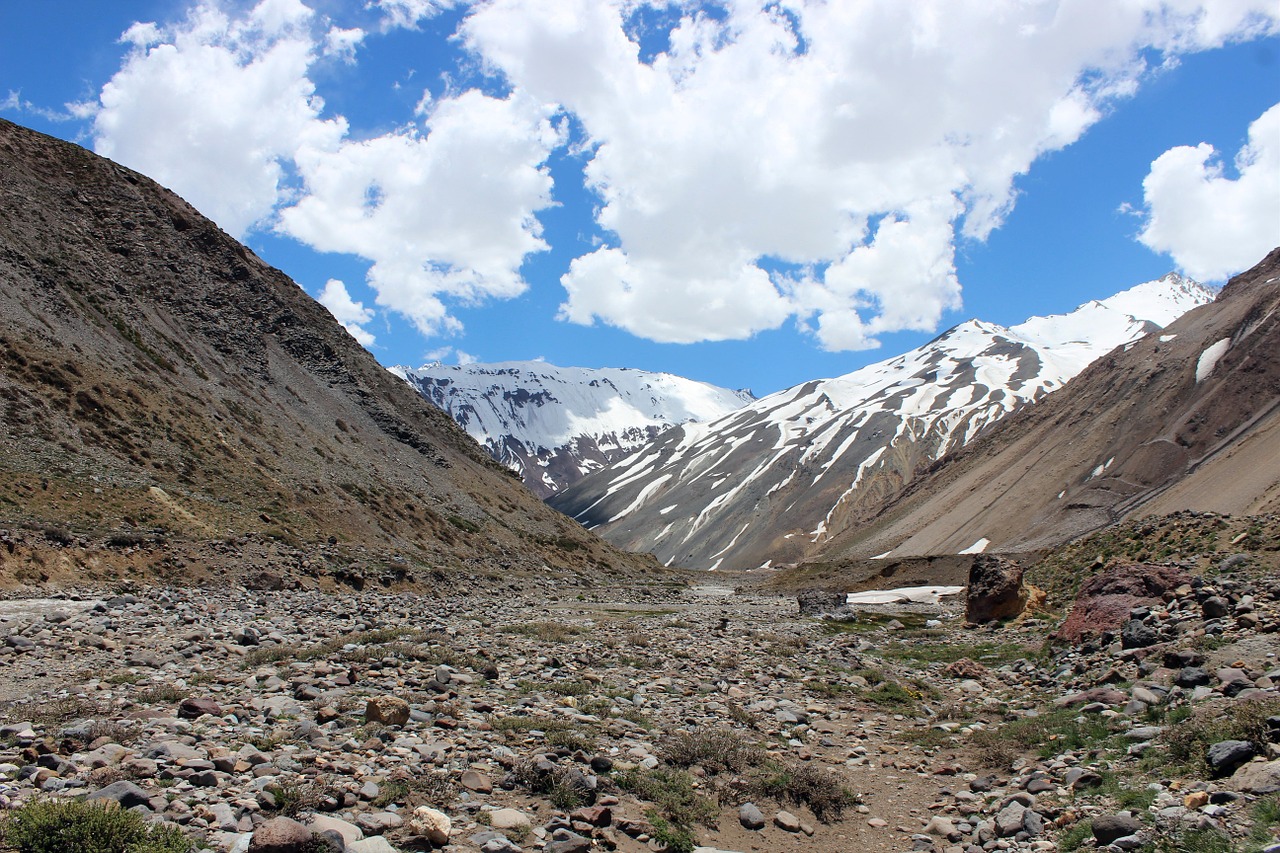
(125, 793)
(1225, 756)
(1107, 828)
(750, 817)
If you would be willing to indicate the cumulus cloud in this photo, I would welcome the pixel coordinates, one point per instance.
(351, 314)
(409, 13)
(214, 106)
(1211, 224)
(223, 110)
(849, 143)
(451, 212)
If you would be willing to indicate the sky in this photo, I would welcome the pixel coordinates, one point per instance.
(749, 194)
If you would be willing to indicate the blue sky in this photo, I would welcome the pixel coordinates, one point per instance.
(748, 194)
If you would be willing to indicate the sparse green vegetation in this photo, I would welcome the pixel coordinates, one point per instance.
(58, 826)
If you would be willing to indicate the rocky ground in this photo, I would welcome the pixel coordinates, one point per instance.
(648, 718)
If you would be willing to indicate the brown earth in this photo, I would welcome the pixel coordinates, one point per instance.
(1136, 434)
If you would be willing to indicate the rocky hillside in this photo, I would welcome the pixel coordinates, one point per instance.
(772, 482)
(1188, 419)
(171, 405)
(553, 425)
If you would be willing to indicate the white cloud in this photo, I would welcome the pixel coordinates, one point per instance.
(409, 13)
(784, 133)
(212, 107)
(351, 314)
(342, 43)
(1213, 225)
(451, 213)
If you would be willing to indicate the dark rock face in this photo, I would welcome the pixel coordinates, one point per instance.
(995, 590)
(815, 602)
(1106, 599)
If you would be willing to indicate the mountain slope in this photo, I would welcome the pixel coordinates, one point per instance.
(162, 387)
(553, 425)
(771, 482)
(1185, 420)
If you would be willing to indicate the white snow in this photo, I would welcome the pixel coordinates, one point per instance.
(1164, 339)
(977, 547)
(1209, 358)
(904, 595)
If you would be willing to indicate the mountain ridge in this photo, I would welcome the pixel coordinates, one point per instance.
(553, 425)
(164, 386)
(768, 483)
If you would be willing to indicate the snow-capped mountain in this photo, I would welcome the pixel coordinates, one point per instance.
(552, 425)
(770, 482)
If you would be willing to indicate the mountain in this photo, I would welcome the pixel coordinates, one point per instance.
(172, 406)
(1187, 420)
(553, 425)
(772, 482)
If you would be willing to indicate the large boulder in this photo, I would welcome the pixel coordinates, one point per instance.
(1106, 599)
(816, 602)
(995, 589)
(281, 835)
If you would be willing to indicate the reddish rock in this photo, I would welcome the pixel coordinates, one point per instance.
(191, 709)
(1105, 599)
(281, 835)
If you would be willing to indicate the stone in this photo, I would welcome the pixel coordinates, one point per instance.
(377, 844)
(1195, 799)
(125, 793)
(1258, 777)
(434, 825)
(388, 710)
(1215, 607)
(786, 821)
(190, 709)
(281, 835)
(1108, 597)
(1008, 820)
(505, 819)
(473, 780)
(815, 602)
(1191, 676)
(1107, 828)
(750, 816)
(941, 826)
(1225, 756)
(564, 841)
(1138, 635)
(995, 589)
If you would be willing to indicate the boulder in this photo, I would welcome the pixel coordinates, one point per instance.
(815, 602)
(281, 835)
(1107, 828)
(995, 589)
(1106, 599)
(432, 824)
(1226, 756)
(388, 710)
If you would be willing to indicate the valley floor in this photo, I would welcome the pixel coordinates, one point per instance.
(623, 720)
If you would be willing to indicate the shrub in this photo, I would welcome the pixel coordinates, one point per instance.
(50, 826)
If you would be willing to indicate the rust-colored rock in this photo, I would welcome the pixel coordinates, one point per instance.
(1104, 601)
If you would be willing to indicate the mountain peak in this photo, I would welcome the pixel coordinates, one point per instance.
(553, 424)
(774, 479)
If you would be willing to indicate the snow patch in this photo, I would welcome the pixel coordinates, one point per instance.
(1209, 358)
(977, 547)
(904, 595)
